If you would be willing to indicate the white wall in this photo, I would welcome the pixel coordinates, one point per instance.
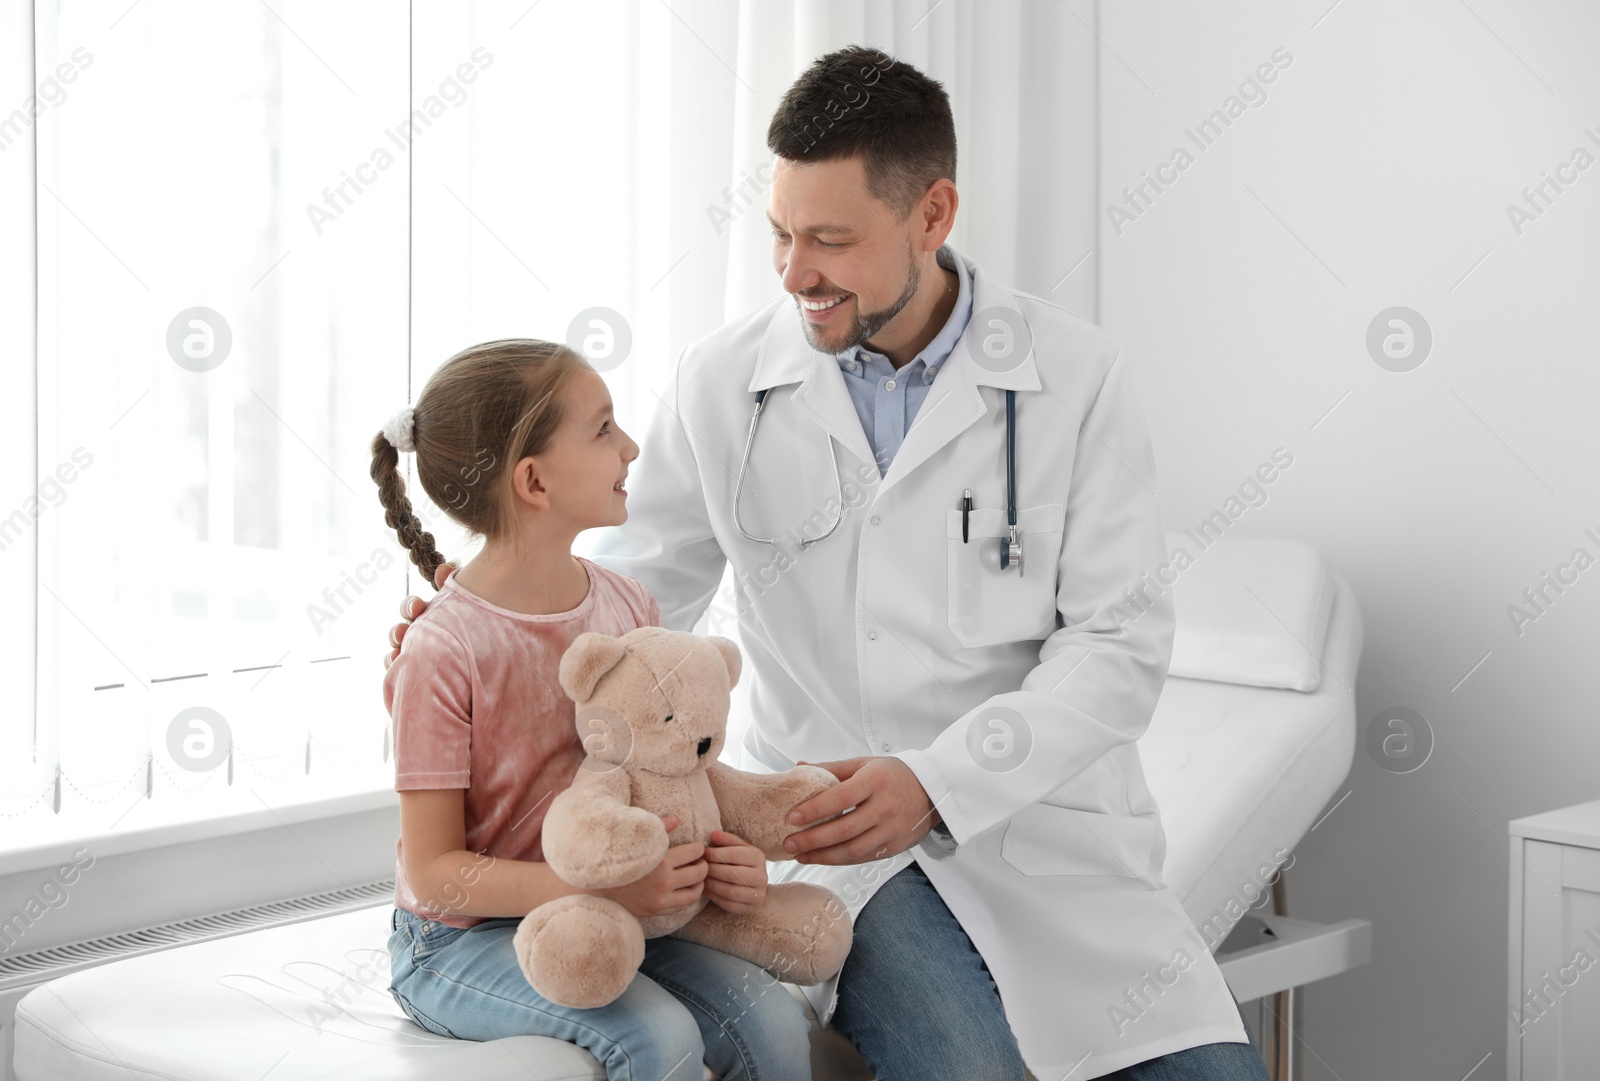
(1376, 174)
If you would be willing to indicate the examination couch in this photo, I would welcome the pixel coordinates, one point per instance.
(1252, 739)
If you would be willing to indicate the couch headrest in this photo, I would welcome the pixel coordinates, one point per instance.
(1250, 610)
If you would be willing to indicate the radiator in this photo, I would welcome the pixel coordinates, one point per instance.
(21, 973)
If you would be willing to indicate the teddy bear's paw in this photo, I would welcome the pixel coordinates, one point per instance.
(579, 951)
(621, 848)
(801, 783)
(638, 836)
(813, 937)
(813, 778)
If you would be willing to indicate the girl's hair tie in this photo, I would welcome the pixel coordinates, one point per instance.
(399, 430)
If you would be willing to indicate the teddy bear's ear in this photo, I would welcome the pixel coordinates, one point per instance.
(730, 656)
(590, 656)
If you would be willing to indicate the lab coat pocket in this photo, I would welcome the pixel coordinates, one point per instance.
(987, 606)
(1042, 839)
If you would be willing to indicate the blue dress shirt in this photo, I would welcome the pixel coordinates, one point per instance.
(887, 400)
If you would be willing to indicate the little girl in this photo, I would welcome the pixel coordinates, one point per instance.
(515, 441)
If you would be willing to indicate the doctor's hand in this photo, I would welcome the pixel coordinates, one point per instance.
(410, 609)
(891, 813)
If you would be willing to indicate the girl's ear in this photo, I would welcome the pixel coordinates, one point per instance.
(527, 484)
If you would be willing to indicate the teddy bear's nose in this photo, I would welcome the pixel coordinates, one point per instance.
(705, 745)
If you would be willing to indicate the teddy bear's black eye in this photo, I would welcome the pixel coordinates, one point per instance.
(667, 718)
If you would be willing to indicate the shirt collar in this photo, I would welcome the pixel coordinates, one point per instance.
(938, 350)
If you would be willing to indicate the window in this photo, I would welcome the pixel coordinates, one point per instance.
(259, 230)
(221, 329)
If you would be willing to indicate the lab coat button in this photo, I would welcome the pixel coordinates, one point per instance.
(873, 635)
(876, 519)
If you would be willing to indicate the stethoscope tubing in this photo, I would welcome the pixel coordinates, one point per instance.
(744, 462)
(1006, 558)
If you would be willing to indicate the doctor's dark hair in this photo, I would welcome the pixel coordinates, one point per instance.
(862, 101)
(489, 405)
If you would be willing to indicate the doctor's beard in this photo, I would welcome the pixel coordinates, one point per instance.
(866, 324)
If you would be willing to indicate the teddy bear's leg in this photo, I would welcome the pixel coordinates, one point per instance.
(800, 933)
(579, 950)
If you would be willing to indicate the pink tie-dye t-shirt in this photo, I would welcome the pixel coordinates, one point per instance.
(476, 705)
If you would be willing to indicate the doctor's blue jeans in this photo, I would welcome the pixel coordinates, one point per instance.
(917, 1001)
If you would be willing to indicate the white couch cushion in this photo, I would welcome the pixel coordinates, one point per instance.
(1251, 611)
(289, 1003)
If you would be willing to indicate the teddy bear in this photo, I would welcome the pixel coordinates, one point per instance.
(652, 709)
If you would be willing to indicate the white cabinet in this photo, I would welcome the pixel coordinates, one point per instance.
(1553, 1024)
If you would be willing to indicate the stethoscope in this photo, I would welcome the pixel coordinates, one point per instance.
(1010, 544)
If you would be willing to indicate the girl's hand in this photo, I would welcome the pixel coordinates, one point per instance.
(674, 883)
(736, 878)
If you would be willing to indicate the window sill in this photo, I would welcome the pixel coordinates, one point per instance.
(162, 824)
(157, 873)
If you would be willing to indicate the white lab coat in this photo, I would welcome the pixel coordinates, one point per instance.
(891, 637)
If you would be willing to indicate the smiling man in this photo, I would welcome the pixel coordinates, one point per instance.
(837, 320)
(1001, 855)
(946, 645)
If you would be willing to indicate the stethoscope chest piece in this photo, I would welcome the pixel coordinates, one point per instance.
(1000, 553)
(1011, 549)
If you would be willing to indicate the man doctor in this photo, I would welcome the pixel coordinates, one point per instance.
(1001, 855)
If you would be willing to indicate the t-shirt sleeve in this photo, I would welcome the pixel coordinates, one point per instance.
(652, 610)
(428, 690)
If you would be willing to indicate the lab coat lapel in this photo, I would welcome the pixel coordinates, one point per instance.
(952, 406)
(954, 402)
(787, 357)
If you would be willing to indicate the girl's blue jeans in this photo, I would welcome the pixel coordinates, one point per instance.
(689, 1004)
